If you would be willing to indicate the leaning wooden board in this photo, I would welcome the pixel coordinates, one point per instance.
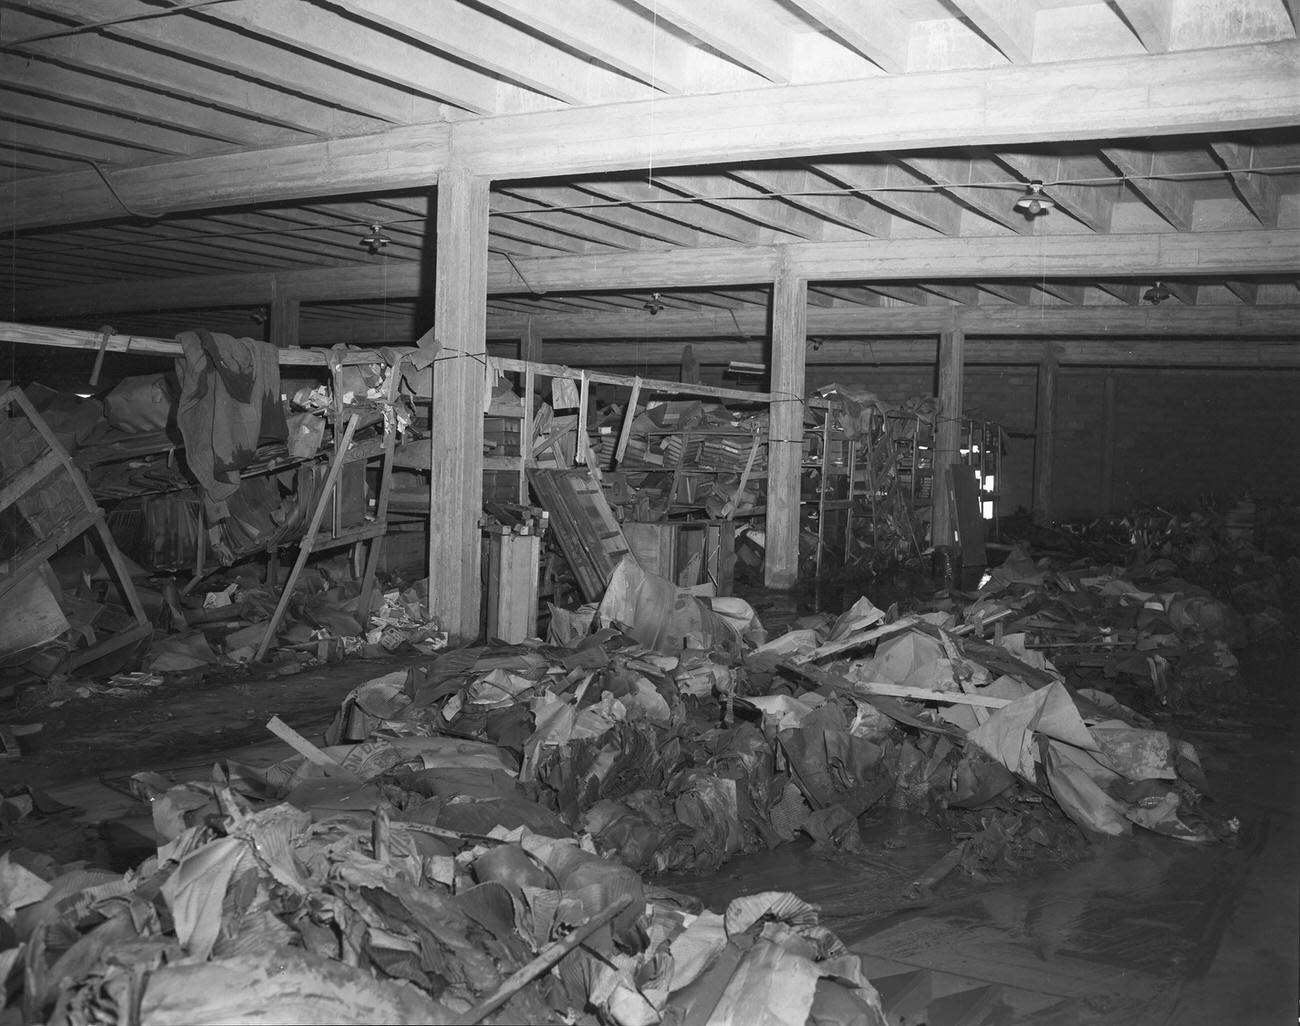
(584, 525)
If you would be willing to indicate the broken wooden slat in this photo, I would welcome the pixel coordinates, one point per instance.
(888, 690)
(628, 417)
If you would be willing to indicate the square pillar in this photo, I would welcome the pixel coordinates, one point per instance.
(530, 344)
(947, 434)
(459, 376)
(785, 429)
(284, 319)
(1044, 428)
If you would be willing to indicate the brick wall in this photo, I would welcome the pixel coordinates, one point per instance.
(1184, 433)
(1076, 464)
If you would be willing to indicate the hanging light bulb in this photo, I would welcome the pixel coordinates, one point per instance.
(1034, 202)
(376, 240)
(1157, 294)
(653, 304)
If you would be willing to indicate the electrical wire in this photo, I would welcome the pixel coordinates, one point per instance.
(515, 267)
(543, 212)
(103, 177)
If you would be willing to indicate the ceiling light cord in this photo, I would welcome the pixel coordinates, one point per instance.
(515, 267)
(116, 195)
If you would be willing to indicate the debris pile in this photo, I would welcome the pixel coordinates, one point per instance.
(474, 841)
(358, 900)
(1245, 551)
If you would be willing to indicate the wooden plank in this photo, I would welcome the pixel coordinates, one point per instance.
(69, 338)
(584, 525)
(512, 589)
(1215, 90)
(583, 442)
(112, 643)
(306, 749)
(947, 434)
(785, 432)
(1044, 435)
(554, 370)
(890, 690)
(629, 417)
(27, 478)
(310, 535)
(456, 496)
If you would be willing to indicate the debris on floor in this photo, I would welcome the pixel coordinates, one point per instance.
(470, 821)
(479, 837)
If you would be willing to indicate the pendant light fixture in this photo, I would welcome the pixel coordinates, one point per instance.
(1157, 293)
(1034, 202)
(376, 240)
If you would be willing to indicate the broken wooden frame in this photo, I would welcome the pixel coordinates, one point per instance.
(590, 537)
(60, 522)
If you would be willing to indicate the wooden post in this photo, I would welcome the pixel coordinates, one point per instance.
(947, 433)
(460, 326)
(1044, 428)
(690, 366)
(785, 428)
(530, 345)
(284, 322)
(1106, 471)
